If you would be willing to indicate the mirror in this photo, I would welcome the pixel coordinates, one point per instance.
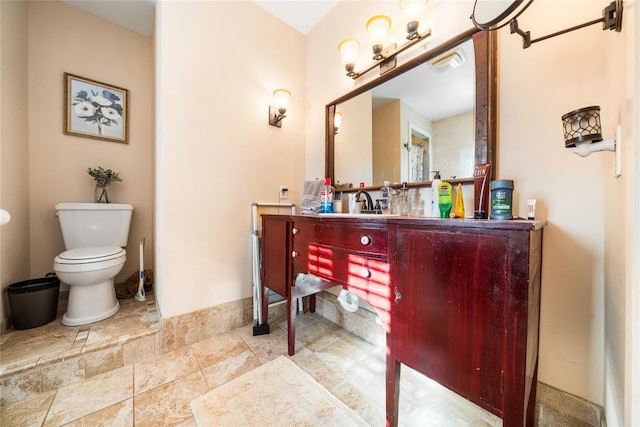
(497, 14)
(392, 130)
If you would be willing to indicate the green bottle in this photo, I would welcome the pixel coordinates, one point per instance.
(444, 199)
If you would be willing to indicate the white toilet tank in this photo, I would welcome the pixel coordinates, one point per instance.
(86, 225)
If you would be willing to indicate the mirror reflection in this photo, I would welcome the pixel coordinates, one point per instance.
(419, 122)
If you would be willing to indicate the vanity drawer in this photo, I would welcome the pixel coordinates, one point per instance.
(345, 236)
(362, 272)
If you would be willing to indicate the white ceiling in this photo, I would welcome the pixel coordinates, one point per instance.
(303, 15)
(139, 15)
(135, 15)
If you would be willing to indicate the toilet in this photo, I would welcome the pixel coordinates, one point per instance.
(94, 236)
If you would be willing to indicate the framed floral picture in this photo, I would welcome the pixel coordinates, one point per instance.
(95, 110)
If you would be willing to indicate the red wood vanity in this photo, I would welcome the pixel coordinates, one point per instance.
(460, 299)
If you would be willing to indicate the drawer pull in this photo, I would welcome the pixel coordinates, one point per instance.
(365, 240)
(294, 254)
(294, 231)
(397, 294)
(365, 273)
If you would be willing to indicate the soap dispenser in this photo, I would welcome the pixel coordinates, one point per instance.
(385, 197)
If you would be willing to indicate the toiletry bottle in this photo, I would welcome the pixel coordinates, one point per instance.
(394, 200)
(459, 203)
(385, 196)
(404, 205)
(481, 180)
(435, 211)
(326, 197)
(501, 199)
(444, 199)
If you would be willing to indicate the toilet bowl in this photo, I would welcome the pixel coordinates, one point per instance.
(90, 273)
(94, 235)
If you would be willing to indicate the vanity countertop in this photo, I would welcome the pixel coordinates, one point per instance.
(517, 224)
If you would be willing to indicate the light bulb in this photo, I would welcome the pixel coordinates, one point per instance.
(337, 120)
(378, 27)
(281, 98)
(348, 50)
(412, 12)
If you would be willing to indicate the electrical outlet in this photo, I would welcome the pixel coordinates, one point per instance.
(283, 192)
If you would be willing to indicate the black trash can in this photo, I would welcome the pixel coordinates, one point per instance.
(34, 302)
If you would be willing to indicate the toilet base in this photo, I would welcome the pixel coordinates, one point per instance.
(91, 303)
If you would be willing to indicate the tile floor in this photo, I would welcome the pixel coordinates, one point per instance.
(157, 391)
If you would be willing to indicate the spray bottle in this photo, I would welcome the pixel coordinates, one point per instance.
(326, 197)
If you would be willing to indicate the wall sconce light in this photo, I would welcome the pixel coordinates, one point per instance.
(277, 112)
(348, 49)
(337, 121)
(495, 15)
(583, 130)
(378, 27)
(412, 11)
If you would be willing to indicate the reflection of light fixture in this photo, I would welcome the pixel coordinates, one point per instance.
(337, 121)
(377, 27)
(277, 112)
(448, 61)
(412, 11)
(495, 15)
(582, 129)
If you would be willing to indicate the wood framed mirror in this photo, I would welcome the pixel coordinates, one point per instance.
(482, 115)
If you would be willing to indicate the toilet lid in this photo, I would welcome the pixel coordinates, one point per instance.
(86, 255)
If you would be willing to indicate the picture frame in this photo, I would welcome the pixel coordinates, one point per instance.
(95, 110)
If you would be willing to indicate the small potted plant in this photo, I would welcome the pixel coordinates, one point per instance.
(104, 178)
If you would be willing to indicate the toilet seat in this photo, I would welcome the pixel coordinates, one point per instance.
(88, 259)
(88, 255)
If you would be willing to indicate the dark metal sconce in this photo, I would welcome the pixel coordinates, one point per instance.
(583, 130)
(494, 20)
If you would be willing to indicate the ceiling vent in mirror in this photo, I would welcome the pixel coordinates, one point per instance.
(448, 61)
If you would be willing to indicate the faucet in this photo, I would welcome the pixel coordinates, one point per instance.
(367, 204)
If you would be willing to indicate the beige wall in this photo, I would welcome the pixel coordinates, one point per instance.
(622, 226)
(385, 141)
(353, 141)
(216, 153)
(63, 38)
(14, 149)
(453, 138)
(537, 86)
